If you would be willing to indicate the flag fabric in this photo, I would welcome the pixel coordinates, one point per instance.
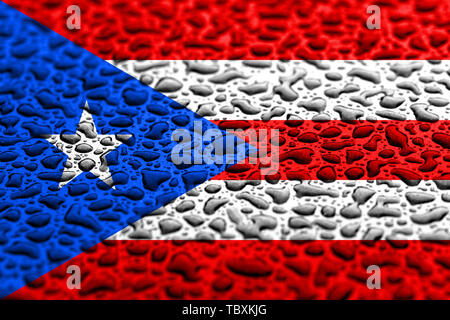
(359, 147)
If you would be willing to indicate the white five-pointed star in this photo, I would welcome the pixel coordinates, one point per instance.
(86, 150)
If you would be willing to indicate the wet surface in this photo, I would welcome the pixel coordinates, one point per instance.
(268, 29)
(246, 90)
(251, 270)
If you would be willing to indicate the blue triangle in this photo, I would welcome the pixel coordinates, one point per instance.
(45, 80)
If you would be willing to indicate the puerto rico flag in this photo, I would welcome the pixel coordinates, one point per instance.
(224, 149)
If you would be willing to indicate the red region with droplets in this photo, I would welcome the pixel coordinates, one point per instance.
(250, 269)
(255, 29)
(345, 150)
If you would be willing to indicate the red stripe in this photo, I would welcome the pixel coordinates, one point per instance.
(264, 29)
(249, 269)
(337, 150)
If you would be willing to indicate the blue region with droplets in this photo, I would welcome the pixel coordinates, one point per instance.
(45, 81)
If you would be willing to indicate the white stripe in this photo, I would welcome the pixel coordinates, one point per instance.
(279, 221)
(427, 77)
